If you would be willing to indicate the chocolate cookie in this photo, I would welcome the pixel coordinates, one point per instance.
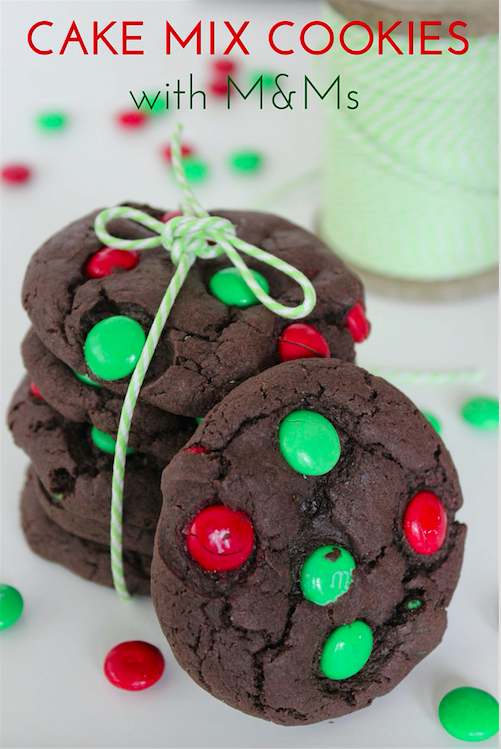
(133, 538)
(153, 430)
(86, 558)
(208, 346)
(307, 546)
(72, 467)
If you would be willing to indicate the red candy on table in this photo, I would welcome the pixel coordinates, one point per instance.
(219, 87)
(134, 665)
(16, 174)
(185, 151)
(131, 119)
(108, 260)
(35, 391)
(220, 539)
(223, 65)
(302, 341)
(425, 523)
(357, 323)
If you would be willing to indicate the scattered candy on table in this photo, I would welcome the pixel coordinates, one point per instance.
(105, 442)
(156, 105)
(186, 151)
(131, 120)
(302, 341)
(134, 665)
(246, 161)
(50, 121)
(425, 523)
(346, 650)
(469, 714)
(16, 174)
(309, 443)
(268, 78)
(220, 539)
(224, 65)
(231, 289)
(113, 347)
(195, 169)
(11, 606)
(433, 421)
(482, 412)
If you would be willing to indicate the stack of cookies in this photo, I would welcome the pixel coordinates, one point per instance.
(90, 307)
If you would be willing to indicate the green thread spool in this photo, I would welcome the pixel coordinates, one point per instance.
(409, 179)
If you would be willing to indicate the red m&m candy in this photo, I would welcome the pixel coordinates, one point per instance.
(425, 523)
(185, 151)
(171, 214)
(35, 391)
(357, 323)
(16, 173)
(224, 65)
(134, 665)
(301, 341)
(220, 539)
(131, 119)
(108, 261)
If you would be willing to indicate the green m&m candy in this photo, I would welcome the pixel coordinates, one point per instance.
(309, 443)
(231, 289)
(326, 574)
(246, 161)
(346, 650)
(86, 379)
(105, 442)
(195, 169)
(11, 605)
(52, 120)
(113, 347)
(433, 421)
(469, 714)
(482, 413)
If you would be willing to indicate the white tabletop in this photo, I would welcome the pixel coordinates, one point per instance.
(53, 692)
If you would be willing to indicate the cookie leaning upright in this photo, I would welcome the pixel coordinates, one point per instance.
(213, 339)
(307, 547)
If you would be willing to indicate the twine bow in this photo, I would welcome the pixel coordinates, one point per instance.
(186, 238)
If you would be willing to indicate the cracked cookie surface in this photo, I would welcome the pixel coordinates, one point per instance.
(207, 348)
(79, 475)
(85, 558)
(249, 635)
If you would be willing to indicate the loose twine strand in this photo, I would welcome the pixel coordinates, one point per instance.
(187, 238)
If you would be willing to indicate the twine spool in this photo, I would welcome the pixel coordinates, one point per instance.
(410, 181)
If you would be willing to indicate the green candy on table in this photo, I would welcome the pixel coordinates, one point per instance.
(246, 161)
(469, 714)
(52, 120)
(195, 169)
(113, 347)
(86, 379)
(482, 413)
(11, 605)
(433, 421)
(157, 108)
(309, 443)
(231, 289)
(105, 442)
(267, 77)
(326, 574)
(346, 650)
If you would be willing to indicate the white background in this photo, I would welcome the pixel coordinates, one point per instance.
(53, 692)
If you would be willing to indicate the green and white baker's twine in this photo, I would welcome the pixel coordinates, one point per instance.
(187, 238)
